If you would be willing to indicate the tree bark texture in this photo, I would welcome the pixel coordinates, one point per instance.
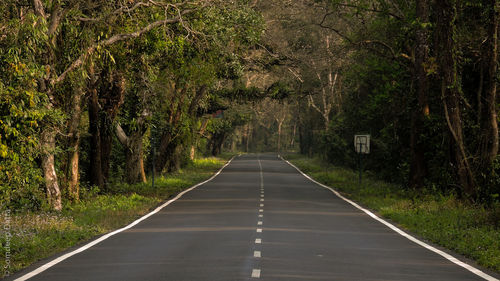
(72, 166)
(48, 144)
(418, 168)
(450, 91)
(134, 163)
(134, 160)
(106, 98)
(96, 177)
(488, 149)
(216, 142)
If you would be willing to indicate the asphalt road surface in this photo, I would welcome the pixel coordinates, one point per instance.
(258, 219)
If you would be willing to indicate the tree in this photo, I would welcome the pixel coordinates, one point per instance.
(53, 20)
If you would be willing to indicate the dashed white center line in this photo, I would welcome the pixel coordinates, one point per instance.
(257, 254)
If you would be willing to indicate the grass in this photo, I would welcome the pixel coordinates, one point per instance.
(29, 237)
(470, 230)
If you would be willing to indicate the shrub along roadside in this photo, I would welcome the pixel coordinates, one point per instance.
(471, 230)
(28, 237)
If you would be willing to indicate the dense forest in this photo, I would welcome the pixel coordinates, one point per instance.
(94, 93)
(419, 76)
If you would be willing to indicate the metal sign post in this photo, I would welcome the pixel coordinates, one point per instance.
(362, 146)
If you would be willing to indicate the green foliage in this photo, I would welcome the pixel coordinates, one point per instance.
(279, 91)
(22, 110)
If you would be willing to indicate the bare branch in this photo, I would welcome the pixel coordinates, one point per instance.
(296, 75)
(380, 43)
(38, 8)
(120, 134)
(322, 24)
(360, 43)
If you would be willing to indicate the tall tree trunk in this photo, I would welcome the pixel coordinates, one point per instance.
(418, 167)
(96, 177)
(450, 91)
(488, 148)
(72, 167)
(48, 144)
(106, 141)
(168, 140)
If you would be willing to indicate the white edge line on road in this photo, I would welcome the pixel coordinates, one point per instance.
(106, 236)
(401, 232)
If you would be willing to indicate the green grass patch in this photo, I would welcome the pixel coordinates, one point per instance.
(471, 230)
(29, 237)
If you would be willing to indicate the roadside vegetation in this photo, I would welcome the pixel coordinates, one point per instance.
(468, 229)
(37, 235)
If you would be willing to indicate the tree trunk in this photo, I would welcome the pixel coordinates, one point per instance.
(279, 136)
(72, 167)
(106, 141)
(418, 167)
(216, 142)
(450, 91)
(96, 177)
(134, 160)
(199, 135)
(48, 144)
(249, 136)
(488, 148)
(192, 152)
(174, 162)
(165, 151)
(292, 141)
(134, 163)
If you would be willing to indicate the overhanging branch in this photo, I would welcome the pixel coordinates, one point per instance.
(114, 39)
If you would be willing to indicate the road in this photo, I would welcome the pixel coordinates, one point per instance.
(258, 219)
